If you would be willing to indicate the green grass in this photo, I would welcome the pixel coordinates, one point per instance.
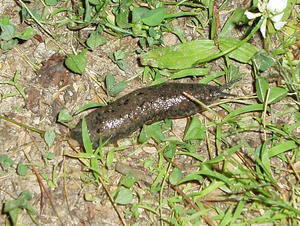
(232, 168)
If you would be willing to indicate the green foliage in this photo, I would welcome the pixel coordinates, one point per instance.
(77, 62)
(5, 161)
(124, 196)
(14, 82)
(9, 37)
(49, 137)
(14, 207)
(64, 116)
(195, 131)
(114, 88)
(240, 156)
(22, 169)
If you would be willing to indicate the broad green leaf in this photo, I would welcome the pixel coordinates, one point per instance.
(128, 181)
(175, 176)
(122, 14)
(138, 13)
(117, 88)
(77, 63)
(195, 131)
(64, 116)
(151, 131)
(22, 169)
(114, 88)
(51, 2)
(263, 61)
(124, 196)
(95, 40)
(242, 54)
(154, 17)
(262, 86)
(180, 56)
(7, 32)
(5, 161)
(8, 45)
(277, 94)
(49, 137)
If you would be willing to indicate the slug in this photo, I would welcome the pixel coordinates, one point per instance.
(145, 106)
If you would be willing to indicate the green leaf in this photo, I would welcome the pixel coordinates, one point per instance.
(263, 61)
(138, 13)
(96, 2)
(109, 158)
(154, 17)
(151, 131)
(49, 156)
(88, 147)
(175, 176)
(214, 174)
(51, 2)
(88, 106)
(128, 181)
(22, 169)
(95, 40)
(122, 15)
(49, 137)
(282, 147)
(5, 161)
(64, 116)
(27, 34)
(190, 72)
(169, 151)
(242, 54)
(8, 45)
(243, 110)
(180, 56)
(262, 86)
(196, 130)
(237, 17)
(114, 88)
(7, 32)
(77, 63)
(277, 94)
(124, 196)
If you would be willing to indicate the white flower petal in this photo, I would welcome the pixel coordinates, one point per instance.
(276, 6)
(263, 28)
(277, 18)
(279, 25)
(252, 16)
(261, 5)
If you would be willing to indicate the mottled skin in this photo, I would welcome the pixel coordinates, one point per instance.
(145, 106)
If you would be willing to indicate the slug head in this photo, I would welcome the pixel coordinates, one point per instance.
(219, 93)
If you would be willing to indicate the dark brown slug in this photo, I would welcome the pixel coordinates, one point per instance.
(145, 106)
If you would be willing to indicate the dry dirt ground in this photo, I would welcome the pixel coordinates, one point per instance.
(60, 186)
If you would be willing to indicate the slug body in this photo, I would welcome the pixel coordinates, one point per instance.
(145, 106)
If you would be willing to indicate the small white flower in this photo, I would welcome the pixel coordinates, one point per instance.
(279, 25)
(276, 6)
(252, 16)
(273, 10)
